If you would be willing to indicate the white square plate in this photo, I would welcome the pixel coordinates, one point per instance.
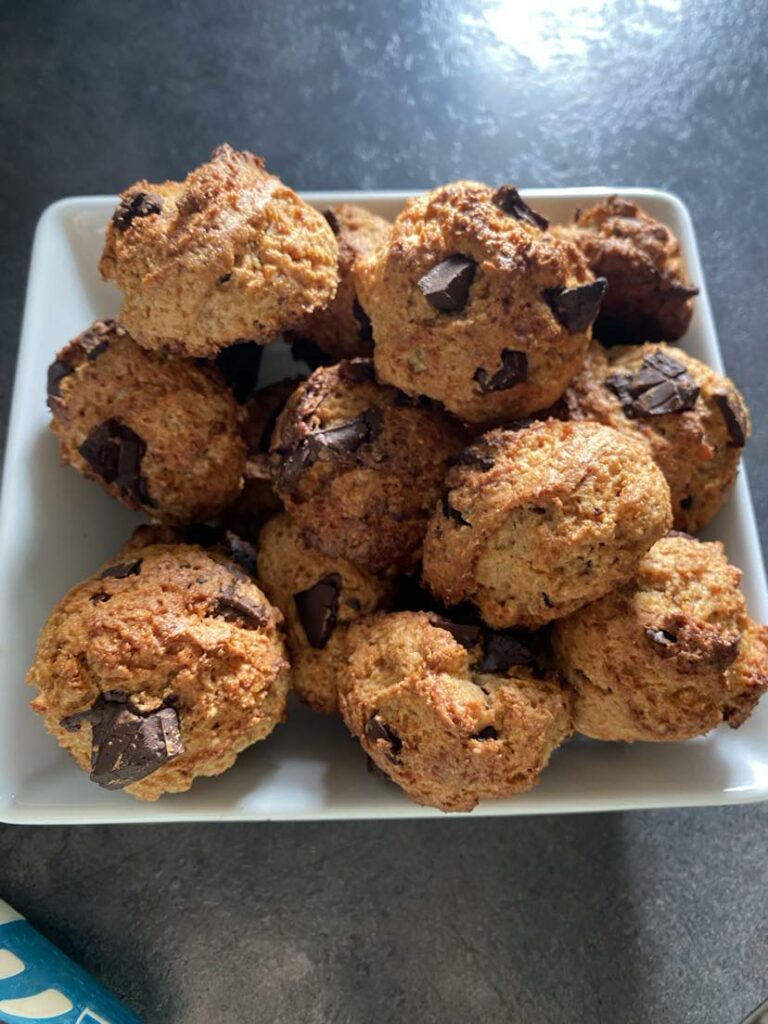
(56, 527)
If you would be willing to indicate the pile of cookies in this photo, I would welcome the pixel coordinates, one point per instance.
(468, 530)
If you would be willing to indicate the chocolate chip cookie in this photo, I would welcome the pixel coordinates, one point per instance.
(450, 712)
(360, 466)
(230, 253)
(161, 435)
(649, 294)
(539, 521)
(160, 668)
(695, 422)
(476, 304)
(342, 328)
(318, 597)
(668, 655)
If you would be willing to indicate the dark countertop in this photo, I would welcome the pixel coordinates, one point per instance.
(626, 917)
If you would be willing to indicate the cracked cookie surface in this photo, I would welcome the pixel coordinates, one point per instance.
(229, 254)
(161, 667)
(161, 435)
(450, 712)
(539, 521)
(477, 305)
(669, 655)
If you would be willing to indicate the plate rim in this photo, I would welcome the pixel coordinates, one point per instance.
(12, 812)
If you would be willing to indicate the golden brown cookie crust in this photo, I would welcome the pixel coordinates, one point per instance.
(649, 293)
(542, 520)
(668, 655)
(444, 730)
(697, 448)
(360, 467)
(228, 254)
(165, 626)
(505, 353)
(158, 434)
(318, 597)
(342, 328)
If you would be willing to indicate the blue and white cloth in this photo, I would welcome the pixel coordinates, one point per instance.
(38, 983)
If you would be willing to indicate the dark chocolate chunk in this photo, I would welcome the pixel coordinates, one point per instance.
(57, 371)
(735, 419)
(114, 452)
(488, 733)
(223, 278)
(100, 597)
(239, 610)
(511, 202)
(366, 327)
(340, 442)
(503, 649)
(446, 286)
(306, 351)
(576, 308)
(660, 386)
(140, 204)
(686, 503)
(122, 569)
(318, 608)
(453, 513)
(346, 438)
(95, 340)
(466, 633)
(357, 371)
(514, 370)
(240, 363)
(662, 637)
(376, 730)
(128, 745)
(333, 221)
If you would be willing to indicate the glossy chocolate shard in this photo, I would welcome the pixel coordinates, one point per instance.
(57, 371)
(468, 634)
(576, 308)
(514, 370)
(346, 438)
(139, 204)
(453, 513)
(661, 386)
(114, 452)
(318, 609)
(735, 418)
(446, 286)
(122, 570)
(504, 649)
(511, 202)
(333, 220)
(240, 611)
(128, 746)
(376, 730)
